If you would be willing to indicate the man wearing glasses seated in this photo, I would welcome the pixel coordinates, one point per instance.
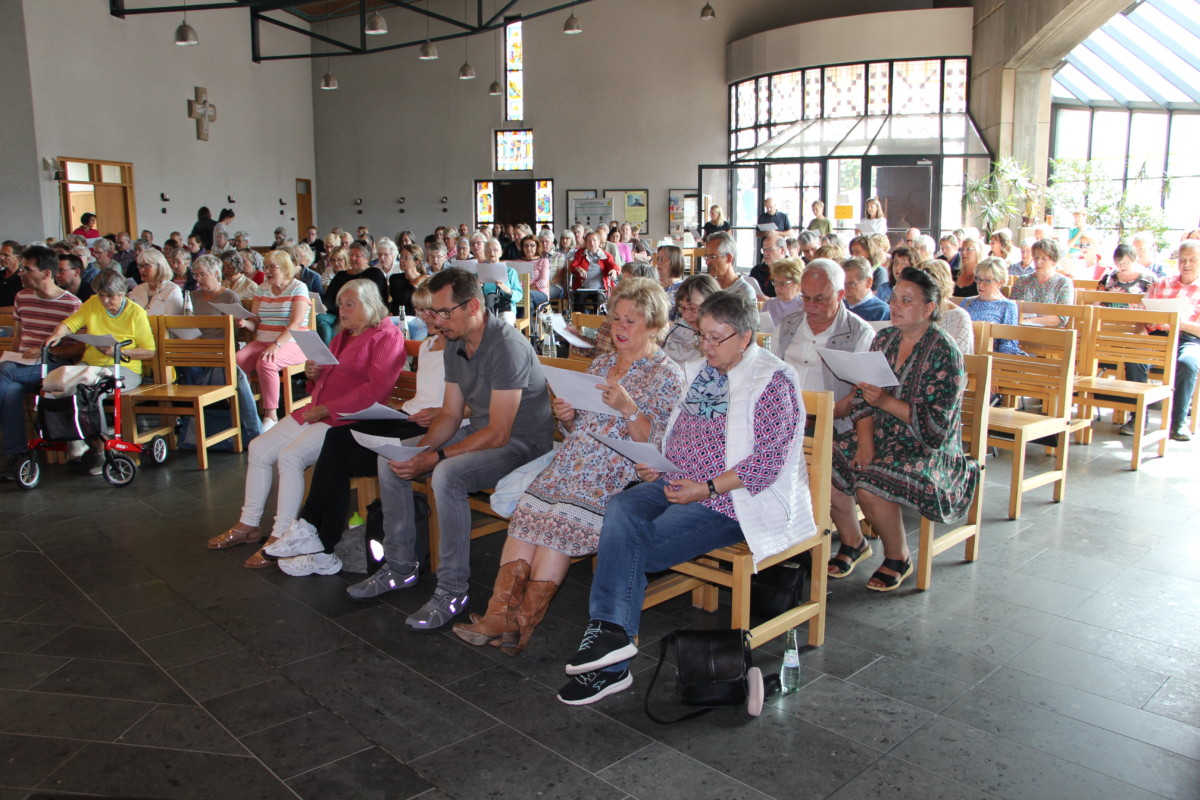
(719, 252)
(492, 370)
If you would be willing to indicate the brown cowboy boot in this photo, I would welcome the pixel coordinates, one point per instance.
(508, 592)
(529, 614)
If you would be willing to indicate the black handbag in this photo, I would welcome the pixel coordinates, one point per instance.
(778, 589)
(713, 669)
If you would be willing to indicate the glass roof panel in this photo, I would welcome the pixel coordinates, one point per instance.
(851, 137)
(818, 139)
(859, 139)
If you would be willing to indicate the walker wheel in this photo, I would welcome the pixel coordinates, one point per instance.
(158, 450)
(119, 470)
(29, 472)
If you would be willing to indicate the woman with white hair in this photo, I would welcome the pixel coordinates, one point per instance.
(157, 293)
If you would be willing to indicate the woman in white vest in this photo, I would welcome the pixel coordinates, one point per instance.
(737, 442)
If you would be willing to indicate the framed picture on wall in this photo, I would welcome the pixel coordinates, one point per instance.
(632, 206)
(572, 196)
(681, 210)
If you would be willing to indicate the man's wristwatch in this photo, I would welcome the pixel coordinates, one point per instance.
(713, 494)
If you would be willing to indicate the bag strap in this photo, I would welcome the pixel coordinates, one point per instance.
(662, 655)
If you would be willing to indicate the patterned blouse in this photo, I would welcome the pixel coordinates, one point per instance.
(697, 441)
(1002, 311)
(1058, 289)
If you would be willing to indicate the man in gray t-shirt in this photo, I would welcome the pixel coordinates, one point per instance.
(492, 371)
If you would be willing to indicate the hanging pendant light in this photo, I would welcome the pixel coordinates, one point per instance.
(708, 12)
(466, 72)
(572, 26)
(495, 90)
(328, 83)
(429, 49)
(376, 24)
(185, 34)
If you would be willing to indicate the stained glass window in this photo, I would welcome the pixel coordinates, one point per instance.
(485, 201)
(877, 88)
(543, 198)
(745, 104)
(845, 94)
(514, 150)
(917, 87)
(956, 86)
(764, 100)
(787, 100)
(514, 72)
(812, 93)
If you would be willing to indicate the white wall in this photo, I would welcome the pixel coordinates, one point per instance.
(637, 102)
(20, 168)
(927, 33)
(120, 91)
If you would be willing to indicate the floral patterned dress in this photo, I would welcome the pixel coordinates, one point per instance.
(563, 508)
(920, 463)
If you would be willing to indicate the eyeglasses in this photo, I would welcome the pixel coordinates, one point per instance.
(777, 282)
(702, 340)
(445, 313)
(713, 257)
(688, 308)
(981, 279)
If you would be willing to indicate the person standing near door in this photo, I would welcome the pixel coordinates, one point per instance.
(772, 215)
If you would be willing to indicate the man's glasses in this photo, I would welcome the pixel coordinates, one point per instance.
(445, 313)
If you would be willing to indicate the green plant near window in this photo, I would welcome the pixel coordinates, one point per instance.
(1077, 185)
(1003, 193)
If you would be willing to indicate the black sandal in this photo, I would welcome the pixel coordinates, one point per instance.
(891, 582)
(855, 554)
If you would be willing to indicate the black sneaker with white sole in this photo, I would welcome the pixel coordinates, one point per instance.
(592, 686)
(604, 644)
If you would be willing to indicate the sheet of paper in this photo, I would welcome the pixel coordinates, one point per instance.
(1180, 304)
(314, 349)
(880, 324)
(377, 411)
(639, 453)
(103, 340)
(522, 267)
(185, 333)
(389, 447)
(560, 327)
(470, 266)
(867, 367)
(767, 226)
(493, 273)
(765, 323)
(578, 389)
(16, 358)
(318, 302)
(235, 310)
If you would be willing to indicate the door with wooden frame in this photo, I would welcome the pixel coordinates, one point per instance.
(104, 188)
(304, 215)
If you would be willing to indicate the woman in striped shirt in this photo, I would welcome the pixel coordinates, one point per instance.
(280, 307)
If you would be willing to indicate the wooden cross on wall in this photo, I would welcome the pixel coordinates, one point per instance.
(203, 112)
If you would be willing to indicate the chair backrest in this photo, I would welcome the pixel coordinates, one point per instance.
(818, 454)
(1047, 373)
(175, 352)
(1078, 318)
(1084, 284)
(978, 331)
(593, 321)
(6, 322)
(976, 404)
(1085, 297)
(1118, 336)
(526, 296)
(565, 363)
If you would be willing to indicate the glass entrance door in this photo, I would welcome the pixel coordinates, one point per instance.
(736, 190)
(905, 188)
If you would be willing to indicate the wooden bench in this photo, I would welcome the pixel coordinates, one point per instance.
(732, 567)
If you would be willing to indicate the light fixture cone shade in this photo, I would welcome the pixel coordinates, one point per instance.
(708, 12)
(185, 35)
(329, 82)
(466, 72)
(495, 88)
(376, 25)
(428, 51)
(572, 26)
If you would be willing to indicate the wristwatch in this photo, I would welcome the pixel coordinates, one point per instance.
(713, 494)
(633, 416)
(441, 454)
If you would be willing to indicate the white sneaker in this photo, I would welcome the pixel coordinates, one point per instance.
(76, 449)
(267, 424)
(98, 467)
(311, 564)
(299, 540)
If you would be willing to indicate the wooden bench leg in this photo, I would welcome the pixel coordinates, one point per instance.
(925, 554)
(818, 589)
(201, 435)
(1060, 464)
(1018, 477)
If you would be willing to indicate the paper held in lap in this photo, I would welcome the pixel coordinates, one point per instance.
(639, 453)
(866, 367)
(377, 411)
(314, 349)
(578, 389)
(235, 310)
(560, 327)
(95, 340)
(17, 358)
(388, 447)
(1180, 304)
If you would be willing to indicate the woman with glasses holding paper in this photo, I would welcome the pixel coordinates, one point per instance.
(370, 354)
(560, 514)
(905, 448)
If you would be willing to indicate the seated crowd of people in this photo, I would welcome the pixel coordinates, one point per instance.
(675, 362)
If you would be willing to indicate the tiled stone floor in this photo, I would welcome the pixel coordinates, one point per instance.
(135, 663)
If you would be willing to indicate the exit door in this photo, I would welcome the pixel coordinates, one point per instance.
(905, 188)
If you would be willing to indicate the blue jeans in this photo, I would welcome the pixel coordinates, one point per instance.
(644, 533)
(1186, 365)
(16, 381)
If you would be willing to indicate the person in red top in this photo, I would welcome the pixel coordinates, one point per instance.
(1187, 285)
(87, 228)
(593, 270)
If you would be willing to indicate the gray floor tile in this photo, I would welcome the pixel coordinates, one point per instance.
(855, 712)
(898, 780)
(93, 643)
(140, 597)
(191, 644)
(20, 670)
(1145, 620)
(305, 743)
(1107, 678)
(440, 656)
(112, 577)
(1006, 769)
(1128, 649)
(504, 765)
(260, 706)
(1009, 616)
(222, 674)
(110, 769)
(1178, 700)
(910, 684)
(207, 580)
(29, 562)
(120, 681)
(657, 771)
(13, 606)
(71, 610)
(182, 728)
(160, 620)
(369, 775)
(974, 638)
(66, 716)
(29, 759)
(25, 637)
(277, 628)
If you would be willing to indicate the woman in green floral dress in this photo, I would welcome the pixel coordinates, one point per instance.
(905, 448)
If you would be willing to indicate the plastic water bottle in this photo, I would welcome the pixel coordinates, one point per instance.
(789, 676)
(356, 519)
(402, 320)
(187, 304)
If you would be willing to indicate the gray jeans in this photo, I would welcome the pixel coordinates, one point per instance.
(452, 480)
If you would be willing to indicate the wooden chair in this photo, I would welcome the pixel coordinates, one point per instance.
(524, 322)
(173, 399)
(288, 401)
(1046, 374)
(975, 413)
(1096, 297)
(6, 324)
(702, 575)
(580, 320)
(1084, 284)
(1118, 336)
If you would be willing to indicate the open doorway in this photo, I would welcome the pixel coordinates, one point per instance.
(103, 188)
(527, 200)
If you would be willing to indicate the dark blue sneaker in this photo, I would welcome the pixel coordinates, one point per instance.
(592, 686)
(604, 644)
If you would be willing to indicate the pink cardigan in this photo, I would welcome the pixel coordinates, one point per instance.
(369, 365)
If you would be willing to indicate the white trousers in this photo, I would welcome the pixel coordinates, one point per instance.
(292, 447)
